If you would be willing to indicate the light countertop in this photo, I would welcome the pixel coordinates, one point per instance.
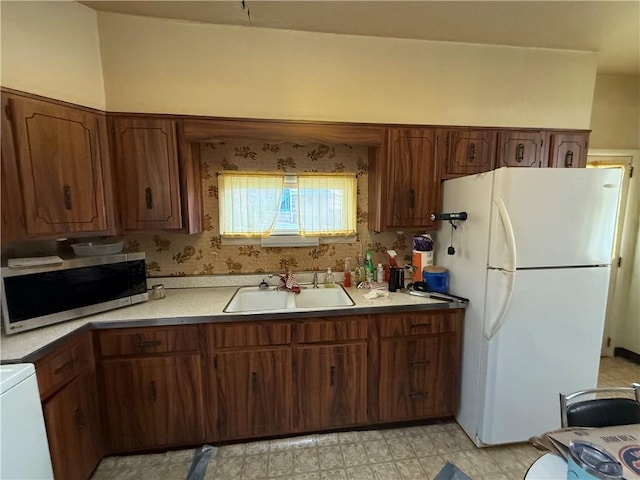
(195, 304)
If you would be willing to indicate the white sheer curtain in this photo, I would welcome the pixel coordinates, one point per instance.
(249, 202)
(327, 203)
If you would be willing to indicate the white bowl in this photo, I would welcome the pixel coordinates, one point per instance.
(92, 249)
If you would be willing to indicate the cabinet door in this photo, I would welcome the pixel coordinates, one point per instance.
(470, 151)
(253, 393)
(413, 180)
(568, 150)
(61, 155)
(521, 149)
(331, 386)
(73, 429)
(146, 158)
(153, 402)
(418, 377)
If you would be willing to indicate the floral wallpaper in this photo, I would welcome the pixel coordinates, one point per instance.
(171, 254)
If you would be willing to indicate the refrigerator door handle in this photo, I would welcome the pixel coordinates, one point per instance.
(509, 234)
(499, 320)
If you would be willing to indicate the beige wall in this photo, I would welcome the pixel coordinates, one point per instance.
(615, 120)
(52, 49)
(156, 65)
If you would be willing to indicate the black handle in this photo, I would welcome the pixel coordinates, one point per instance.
(568, 159)
(67, 197)
(332, 375)
(254, 382)
(80, 419)
(148, 197)
(420, 363)
(148, 343)
(520, 153)
(418, 394)
(472, 152)
(412, 198)
(152, 391)
(420, 325)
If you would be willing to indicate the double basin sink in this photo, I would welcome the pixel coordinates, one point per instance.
(256, 300)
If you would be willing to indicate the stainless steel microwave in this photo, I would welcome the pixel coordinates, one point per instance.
(37, 296)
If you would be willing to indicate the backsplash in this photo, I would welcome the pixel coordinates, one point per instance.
(203, 254)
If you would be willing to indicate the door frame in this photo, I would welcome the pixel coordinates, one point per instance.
(617, 294)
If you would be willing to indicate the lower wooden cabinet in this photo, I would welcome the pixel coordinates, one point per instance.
(253, 392)
(330, 386)
(72, 419)
(153, 402)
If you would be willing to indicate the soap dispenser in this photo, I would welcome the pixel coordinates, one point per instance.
(329, 279)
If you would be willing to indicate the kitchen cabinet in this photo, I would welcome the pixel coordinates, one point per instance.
(67, 385)
(330, 379)
(419, 365)
(521, 148)
(152, 386)
(250, 388)
(56, 163)
(404, 180)
(468, 151)
(568, 149)
(145, 154)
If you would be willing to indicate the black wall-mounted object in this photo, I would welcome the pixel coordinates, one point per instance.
(448, 216)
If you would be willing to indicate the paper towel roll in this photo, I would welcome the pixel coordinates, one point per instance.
(421, 260)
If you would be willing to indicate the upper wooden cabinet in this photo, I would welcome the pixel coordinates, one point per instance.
(568, 150)
(468, 151)
(157, 174)
(521, 148)
(404, 180)
(55, 165)
(147, 178)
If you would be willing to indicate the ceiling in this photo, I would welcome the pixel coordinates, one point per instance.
(611, 28)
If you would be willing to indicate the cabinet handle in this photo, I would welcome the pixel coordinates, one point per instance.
(148, 197)
(412, 198)
(332, 375)
(148, 343)
(254, 382)
(152, 391)
(420, 363)
(568, 159)
(65, 365)
(472, 152)
(81, 421)
(67, 197)
(420, 325)
(520, 153)
(418, 394)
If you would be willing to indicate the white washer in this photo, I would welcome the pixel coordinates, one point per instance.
(24, 450)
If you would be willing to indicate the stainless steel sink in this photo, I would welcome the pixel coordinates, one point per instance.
(255, 300)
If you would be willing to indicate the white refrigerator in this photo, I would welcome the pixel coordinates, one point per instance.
(533, 257)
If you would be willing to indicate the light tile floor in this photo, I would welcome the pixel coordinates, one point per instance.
(387, 454)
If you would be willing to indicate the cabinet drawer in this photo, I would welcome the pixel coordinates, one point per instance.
(148, 341)
(332, 329)
(65, 363)
(404, 324)
(252, 335)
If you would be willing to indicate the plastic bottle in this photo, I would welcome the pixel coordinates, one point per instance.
(347, 273)
(368, 267)
(380, 276)
(329, 279)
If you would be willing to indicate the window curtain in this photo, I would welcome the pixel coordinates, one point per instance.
(327, 204)
(249, 203)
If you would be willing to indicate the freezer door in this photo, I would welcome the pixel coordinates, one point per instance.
(548, 217)
(548, 342)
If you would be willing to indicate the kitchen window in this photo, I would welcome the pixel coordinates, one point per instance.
(303, 205)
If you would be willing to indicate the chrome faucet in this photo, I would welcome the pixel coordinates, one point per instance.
(315, 279)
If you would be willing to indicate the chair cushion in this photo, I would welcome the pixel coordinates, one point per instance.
(603, 412)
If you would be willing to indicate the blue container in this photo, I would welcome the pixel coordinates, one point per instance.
(589, 462)
(437, 281)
